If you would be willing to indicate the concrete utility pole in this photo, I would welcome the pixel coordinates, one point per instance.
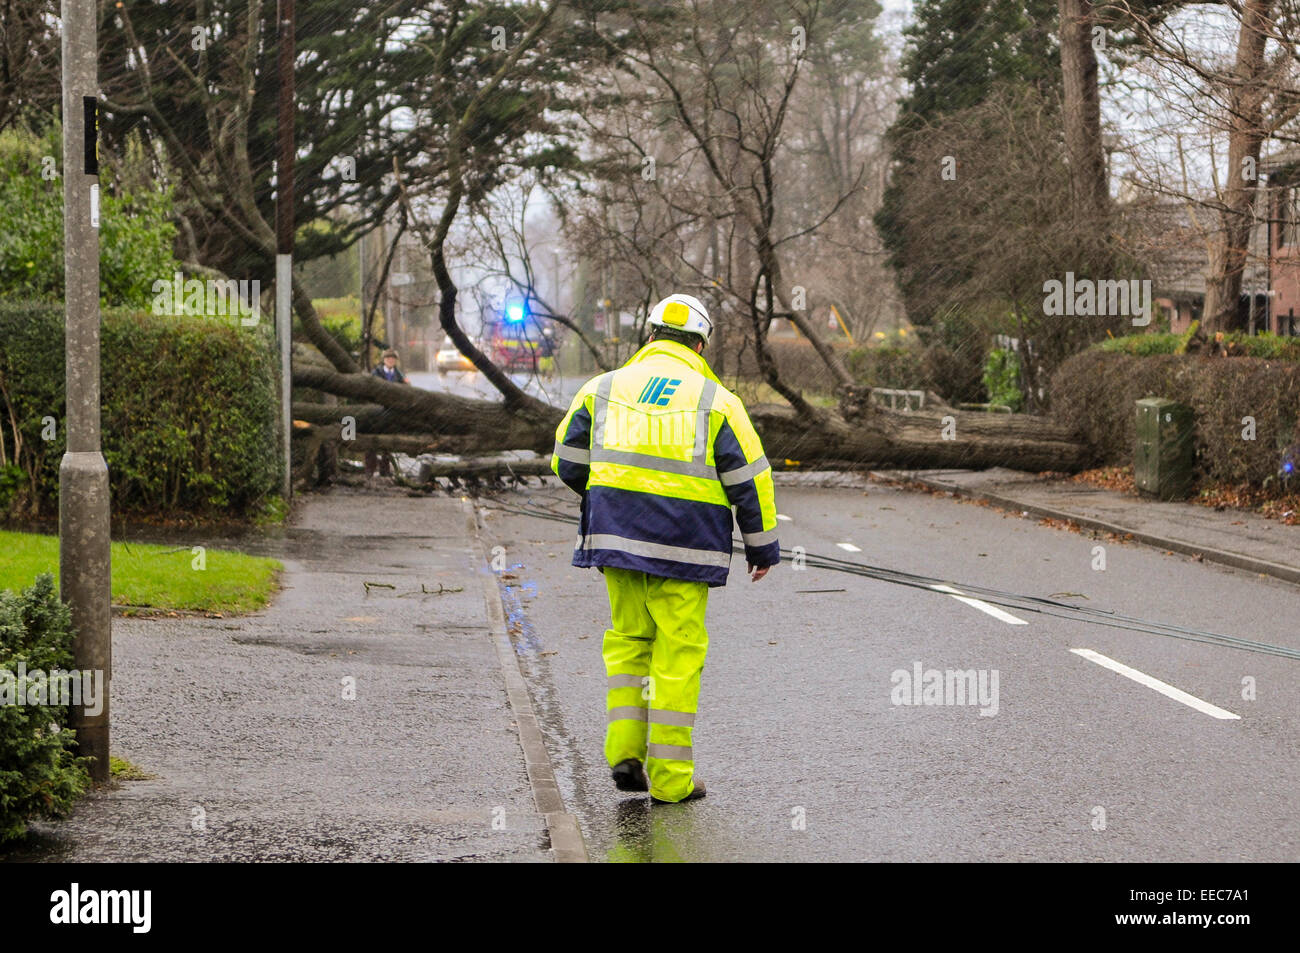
(361, 295)
(284, 235)
(84, 562)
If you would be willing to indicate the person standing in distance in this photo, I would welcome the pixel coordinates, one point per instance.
(660, 454)
(390, 372)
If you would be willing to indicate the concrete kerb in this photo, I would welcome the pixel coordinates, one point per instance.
(565, 834)
(1235, 560)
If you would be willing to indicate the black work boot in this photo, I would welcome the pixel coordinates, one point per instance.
(696, 793)
(629, 775)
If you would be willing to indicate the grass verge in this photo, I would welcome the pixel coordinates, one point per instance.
(153, 576)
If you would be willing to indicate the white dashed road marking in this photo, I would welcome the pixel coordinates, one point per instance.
(994, 611)
(1177, 694)
(782, 516)
(848, 546)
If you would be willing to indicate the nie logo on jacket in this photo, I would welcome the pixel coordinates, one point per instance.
(658, 390)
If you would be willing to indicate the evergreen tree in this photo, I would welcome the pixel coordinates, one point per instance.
(959, 52)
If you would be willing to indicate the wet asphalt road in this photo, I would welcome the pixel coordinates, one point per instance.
(807, 758)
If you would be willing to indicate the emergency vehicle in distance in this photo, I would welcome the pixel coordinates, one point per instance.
(518, 340)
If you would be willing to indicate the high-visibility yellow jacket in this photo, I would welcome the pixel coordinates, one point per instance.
(660, 452)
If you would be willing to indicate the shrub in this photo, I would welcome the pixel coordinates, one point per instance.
(11, 481)
(799, 364)
(913, 366)
(956, 374)
(1002, 378)
(1142, 345)
(341, 317)
(188, 410)
(1272, 346)
(31, 389)
(1095, 392)
(39, 775)
(889, 365)
(858, 360)
(136, 232)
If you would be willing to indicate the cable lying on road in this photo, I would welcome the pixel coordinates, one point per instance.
(1011, 600)
(1052, 607)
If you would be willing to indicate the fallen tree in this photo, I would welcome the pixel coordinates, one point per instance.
(424, 421)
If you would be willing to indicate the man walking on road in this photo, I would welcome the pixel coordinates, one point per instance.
(660, 452)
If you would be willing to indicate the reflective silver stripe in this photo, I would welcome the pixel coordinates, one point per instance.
(600, 410)
(649, 461)
(670, 752)
(639, 547)
(662, 716)
(747, 472)
(628, 712)
(702, 420)
(572, 454)
(760, 539)
(626, 681)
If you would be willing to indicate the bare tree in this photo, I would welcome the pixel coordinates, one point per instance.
(837, 124)
(1081, 113)
(1247, 98)
(1002, 224)
(500, 223)
(711, 131)
(29, 59)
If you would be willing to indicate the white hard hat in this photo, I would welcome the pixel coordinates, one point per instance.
(684, 313)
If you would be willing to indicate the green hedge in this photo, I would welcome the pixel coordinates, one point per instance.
(136, 232)
(189, 411)
(1095, 392)
(1269, 346)
(39, 775)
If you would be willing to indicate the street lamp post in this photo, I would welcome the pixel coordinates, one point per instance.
(84, 562)
(284, 234)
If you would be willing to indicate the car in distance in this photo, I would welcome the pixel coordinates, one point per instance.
(449, 359)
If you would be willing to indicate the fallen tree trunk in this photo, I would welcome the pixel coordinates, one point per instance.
(467, 424)
(953, 440)
(484, 467)
(317, 447)
(879, 438)
(370, 419)
(410, 444)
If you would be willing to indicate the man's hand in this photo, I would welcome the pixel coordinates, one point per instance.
(756, 574)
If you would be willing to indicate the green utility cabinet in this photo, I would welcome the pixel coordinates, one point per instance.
(1166, 452)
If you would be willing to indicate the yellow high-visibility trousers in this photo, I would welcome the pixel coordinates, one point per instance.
(654, 654)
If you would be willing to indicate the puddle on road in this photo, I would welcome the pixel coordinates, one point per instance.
(514, 593)
(534, 663)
